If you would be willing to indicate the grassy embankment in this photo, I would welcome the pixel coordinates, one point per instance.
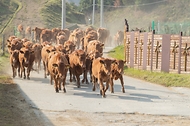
(165, 79)
(4, 67)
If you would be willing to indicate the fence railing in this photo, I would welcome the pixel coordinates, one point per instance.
(150, 51)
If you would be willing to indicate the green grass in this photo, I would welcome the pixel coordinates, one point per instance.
(4, 66)
(165, 79)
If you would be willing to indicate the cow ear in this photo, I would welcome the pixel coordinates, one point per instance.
(54, 65)
(114, 61)
(21, 52)
(101, 61)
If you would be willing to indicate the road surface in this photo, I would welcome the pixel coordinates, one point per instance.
(140, 97)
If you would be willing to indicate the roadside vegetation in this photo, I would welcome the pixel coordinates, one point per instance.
(162, 78)
(4, 68)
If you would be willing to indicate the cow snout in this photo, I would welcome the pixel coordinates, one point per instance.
(83, 66)
(26, 62)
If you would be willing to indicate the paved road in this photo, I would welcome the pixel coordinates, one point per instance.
(140, 96)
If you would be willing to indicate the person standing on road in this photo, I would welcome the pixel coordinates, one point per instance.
(127, 26)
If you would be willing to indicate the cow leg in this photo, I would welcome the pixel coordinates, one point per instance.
(94, 83)
(107, 86)
(24, 73)
(28, 73)
(51, 78)
(45, 76)
(47, 71)
(59, 84)
(39, 66)
(64, 79)
(102, 92)
(56, 85)
(85, 77)
(111, 85)
(19, 71)
(13, 70)
(70, 71)
(78, 80)
(122, 84)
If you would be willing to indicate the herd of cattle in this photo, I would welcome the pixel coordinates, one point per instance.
(79, 52)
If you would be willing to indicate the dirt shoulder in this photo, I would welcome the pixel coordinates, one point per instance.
(15, 111)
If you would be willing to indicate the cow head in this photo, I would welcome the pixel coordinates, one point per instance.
(106, 65)
(14, 56)
(81, 58)
(118, 66)
(26, 53)
(69, 47)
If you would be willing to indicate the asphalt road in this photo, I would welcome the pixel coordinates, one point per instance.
(140, 97)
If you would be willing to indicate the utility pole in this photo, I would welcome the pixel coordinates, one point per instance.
(63, 14)
(101, 14)
(93, 12)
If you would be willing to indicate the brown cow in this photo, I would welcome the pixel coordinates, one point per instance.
(63, 36)
(14, 44)
(37, 31)
(58, 67)
(60, 48)
(37, 53)
(28, 32)
(117, 73)
(103, 35)
(101, 70)
(78, 34)
(94, 50)
(87, 30)
(45, 53)
(28, 44)
(55, 31)
(119, 37)
(11, 38)
(46, 35)
(77, 60)
(20, 28)
(15, 64)
(69, 46)
(26, 59)
(92, 35)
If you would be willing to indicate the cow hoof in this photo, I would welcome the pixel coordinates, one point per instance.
(78, 86)
(57, 91)
(28, 78)
(83, 81)
(24, 77)
(123, 90)
(93, 89)
(64, 90)
(103, 96)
